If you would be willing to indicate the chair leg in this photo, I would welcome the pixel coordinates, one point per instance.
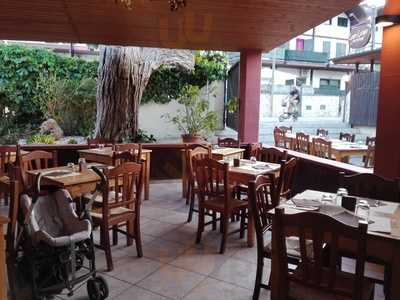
(214, 220)
(191, 207)
(115, 235)
(225, 228)
(257, 285)
(138, 240)
(242, 223)
(200, 226)
(129, 230)
(107, 247)
(387, 279)
(188, 192)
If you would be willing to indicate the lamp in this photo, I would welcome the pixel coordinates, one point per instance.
(387, 20)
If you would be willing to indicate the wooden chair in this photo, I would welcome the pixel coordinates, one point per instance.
(374, 187)
(7, 153)
(123, 208)
(253, 150)
(370, 141)
(35, 160)
(272, 155)
(286, 178)
(228, 142)
(134, 149)
(348, 137)
(316, 276)
(286, 129)
(280, 139)
(322, 148)
(100, 141)
(369, 160)
(215, 195)
(262, 197)
(322, 132)
(192, 155)
(302, 142)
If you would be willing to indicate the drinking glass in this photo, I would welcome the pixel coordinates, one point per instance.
(253, 159)
(363, 210)
(339, 194)
(101, 146)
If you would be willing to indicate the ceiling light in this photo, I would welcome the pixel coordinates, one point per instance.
(173, 4)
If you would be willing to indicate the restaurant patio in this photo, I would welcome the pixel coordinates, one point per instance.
(233, 219)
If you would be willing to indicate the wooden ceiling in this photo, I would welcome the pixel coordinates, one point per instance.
(203, 24)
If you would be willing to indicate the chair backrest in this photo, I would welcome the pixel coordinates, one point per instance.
(254, 149)
(100, 141)
(369, 161)
(286, 128)
(370, 141)
(321, 229)
(212, 180)
(272, 155)
(303, 142)
(126, 181)
(124, 157)
(280, 138)
(228, 142)
(192, 155)
(371, 186)
(322, 132)
(322, 148)
(348, 137)
(35, 160)
(286, 177)
(262, 197)
(8, 155)
(134, 149)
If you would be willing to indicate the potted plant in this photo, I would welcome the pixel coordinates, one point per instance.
(195, 120)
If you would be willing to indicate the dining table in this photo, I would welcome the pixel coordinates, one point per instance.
(105, 156)
(218, 153)
(341, 150)
(241, 175)
(383, 237)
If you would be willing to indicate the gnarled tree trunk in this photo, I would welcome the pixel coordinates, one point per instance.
(122, 78)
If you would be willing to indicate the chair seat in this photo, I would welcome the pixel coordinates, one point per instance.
(344, 283)
(114, 212)
(292, 247)
(217, 203)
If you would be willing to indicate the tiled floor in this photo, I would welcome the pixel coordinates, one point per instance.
(173, 266)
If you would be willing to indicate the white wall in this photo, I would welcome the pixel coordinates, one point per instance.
(150, 114)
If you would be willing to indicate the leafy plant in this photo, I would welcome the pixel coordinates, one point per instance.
(41, 139)
(196, 118)
(72, 103)
(72, 141)
(168, 82)
(232, 105)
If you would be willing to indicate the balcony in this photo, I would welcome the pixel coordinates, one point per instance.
(309, 56)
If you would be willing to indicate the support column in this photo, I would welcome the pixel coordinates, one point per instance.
(387, 154)
(250, 91)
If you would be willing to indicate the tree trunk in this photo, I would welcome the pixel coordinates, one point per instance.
(122, 78)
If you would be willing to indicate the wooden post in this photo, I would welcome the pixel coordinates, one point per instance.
(387, 155)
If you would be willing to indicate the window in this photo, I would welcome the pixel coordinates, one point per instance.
(326, 48)
(300, 44)
(308, 107)
(329, 83)
(289, 82)
(309, 45)
(301, 81)
(342, 22)
(340, 49)
(328, 22)
(322, 107)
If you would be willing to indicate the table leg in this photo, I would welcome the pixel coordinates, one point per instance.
(12, 215)
(147, 177)
(395, 287)
(2, 265)
(250, 229)
(184, 176)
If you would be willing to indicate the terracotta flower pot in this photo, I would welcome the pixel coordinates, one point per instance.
(191, 138)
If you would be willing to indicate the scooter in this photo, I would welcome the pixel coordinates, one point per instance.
(288, 115)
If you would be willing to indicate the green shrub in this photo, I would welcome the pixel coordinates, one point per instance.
(41, 139)
(72, 141)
